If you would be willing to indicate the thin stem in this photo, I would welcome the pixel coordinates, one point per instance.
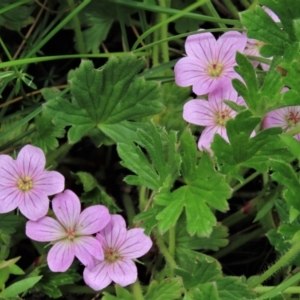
(213, 12)
(284, 287)
(283, 261)
(247, 180)
(231, 7)
(172, 236)
(77, 29)
(129, 208)
(142, 198)
(8, 55)
(137, 290)
(164, 33)
(245, 3)
(164, 250)
(241, 240)
(155, 61)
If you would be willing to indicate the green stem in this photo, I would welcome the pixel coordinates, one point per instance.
(248, 179)
(137, 290)
(129, 208)
(8, 55)
(14, 5)
(142, 198)
(283, 261)
(213, 12)
(245, 3)
(77, 29)
(284, 287)
(155, 61)
(164, 250)
(172, 239)
(240, 240)
(231, 7)
(164, 33)
(33, 60)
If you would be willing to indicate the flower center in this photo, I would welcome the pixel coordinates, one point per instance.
(222, 117)
(71, 234)
(215, 69)
(25, 183)
(111, 255)
(293, 118)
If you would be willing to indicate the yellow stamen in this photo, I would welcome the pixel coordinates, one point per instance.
(111, 255)
(222, 117)
(215, 69)
(25, 183)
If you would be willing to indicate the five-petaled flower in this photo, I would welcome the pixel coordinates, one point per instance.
(213, 114)
(209, 62)
(25, 184)
(71, 233)
(287, 117)
(120, 247)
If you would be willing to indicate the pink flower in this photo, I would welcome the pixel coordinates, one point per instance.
(120, 247)
(25, 184)
(253, 46)
(71, 234)
(209, 63)
(286, 117)
(213, 114)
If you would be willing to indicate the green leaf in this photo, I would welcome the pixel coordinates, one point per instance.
(46, 134)
(20, 286)
(209, 292)
(203, 272)
(105, 96)
(168, 289)
(287, 11)
(9, 222)
(260, 26)
(204, 187)
(163, 167)
(232, 288)
(123, 293)
(292, 144)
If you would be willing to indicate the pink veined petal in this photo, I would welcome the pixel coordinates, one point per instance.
(34, 205)
(271, 14)
(113, 235)
(66, 207)
(87, 247)
(9, 174)
(92, 220)
(45, 229)
(223, 93)
(201, 46)
(276, 118)
(187, 70)
(208, 134)
(136, 244)
(199, 112)
(123, 272)
(118, 219)
(10, 199)
(228, 44)
(31, 161)
(61, 256)
(205, 84)
(97, 278)
(49, 182)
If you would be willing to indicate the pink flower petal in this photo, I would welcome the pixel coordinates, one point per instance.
(9, 175)
(10, 199)
(92, 220)
(97, 278)
(205, 84)
(113, 235)
(61, 256)
(118, 219)
(187, 70)
(123, 272)
(31, 161)
(34, 205)
(45, 229)
(228, 44)
(49, 182)
(201, 46)
(136, 244)
(276, 118)
(208, 134)
(199, 112)
(223, 93)
(66, 207)
(87, 247)
(271, 14)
